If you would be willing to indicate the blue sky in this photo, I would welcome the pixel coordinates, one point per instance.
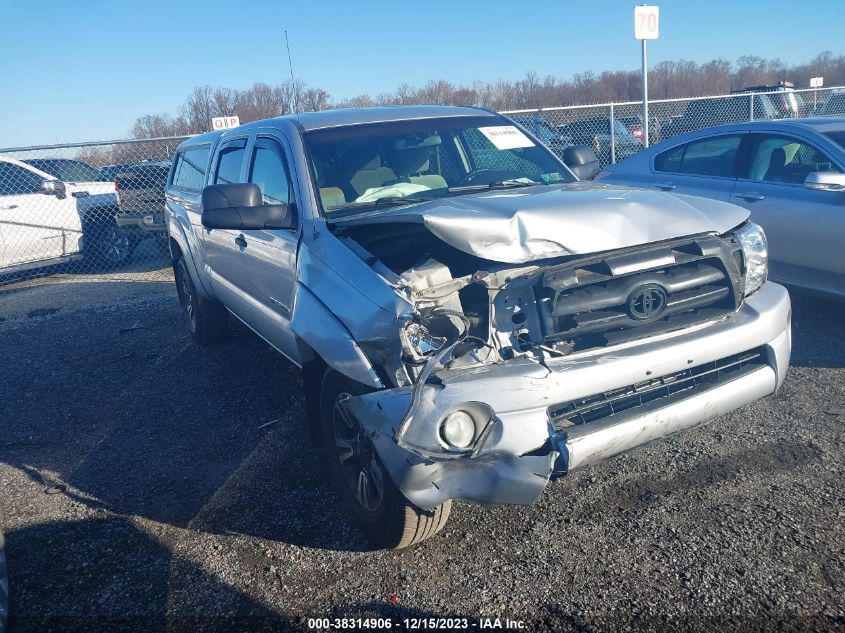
(86, 72)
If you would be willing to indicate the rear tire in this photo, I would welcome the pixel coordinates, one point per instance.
(379, 509)
(207, 319)
(112, 246)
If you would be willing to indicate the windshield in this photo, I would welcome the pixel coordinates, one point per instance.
(363, 166)
(67, 170)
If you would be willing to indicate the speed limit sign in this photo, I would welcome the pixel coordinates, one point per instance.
(646, 22)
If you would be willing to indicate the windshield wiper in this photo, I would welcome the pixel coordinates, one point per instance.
(391, 200)
(397, 200)
(499, 184)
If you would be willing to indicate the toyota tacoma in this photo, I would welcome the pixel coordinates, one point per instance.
(470, 319)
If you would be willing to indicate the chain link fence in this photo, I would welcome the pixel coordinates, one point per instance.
(615, 130)
(94, 211)
(84, 211)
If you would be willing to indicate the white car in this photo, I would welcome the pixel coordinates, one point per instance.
(39, 221)
(53, 209)
(107, 243)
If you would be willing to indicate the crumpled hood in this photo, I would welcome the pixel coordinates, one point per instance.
(522, 225)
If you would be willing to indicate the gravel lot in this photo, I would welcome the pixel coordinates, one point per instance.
(138, 491)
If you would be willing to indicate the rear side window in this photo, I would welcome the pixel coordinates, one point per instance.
(191, 166)
(229, 162)
(706, 157)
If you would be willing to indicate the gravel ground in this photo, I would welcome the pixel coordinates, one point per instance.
(138, 492)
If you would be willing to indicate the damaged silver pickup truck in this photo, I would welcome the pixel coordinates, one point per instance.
(471, 320)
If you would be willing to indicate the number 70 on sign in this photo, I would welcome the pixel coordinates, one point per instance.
(646, 22)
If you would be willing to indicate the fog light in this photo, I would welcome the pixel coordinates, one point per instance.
(458, 429)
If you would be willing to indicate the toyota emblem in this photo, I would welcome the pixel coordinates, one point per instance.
(646, 302)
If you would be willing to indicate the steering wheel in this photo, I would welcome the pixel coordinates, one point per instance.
(471, 176)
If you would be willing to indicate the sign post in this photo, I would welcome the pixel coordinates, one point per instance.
(816, 82)
(646, 27)
(224, 122)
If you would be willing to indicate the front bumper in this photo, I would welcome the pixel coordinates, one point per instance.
(515, 458)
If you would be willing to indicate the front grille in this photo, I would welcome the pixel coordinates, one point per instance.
(627, 296)
(657, 392)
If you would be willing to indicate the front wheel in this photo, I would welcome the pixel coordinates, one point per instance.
(376, 505)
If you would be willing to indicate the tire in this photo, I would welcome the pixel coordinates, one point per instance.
(112, 247)
(387, 518)
(207, 319)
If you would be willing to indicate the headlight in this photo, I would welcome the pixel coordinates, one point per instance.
(458, 429)
(420, 340)
(755, 252)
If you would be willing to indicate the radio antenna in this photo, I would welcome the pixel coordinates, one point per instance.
(293, 87)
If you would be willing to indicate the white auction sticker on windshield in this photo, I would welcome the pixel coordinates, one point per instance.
(506, 136)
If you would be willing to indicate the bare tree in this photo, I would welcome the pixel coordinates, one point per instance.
(681, 78)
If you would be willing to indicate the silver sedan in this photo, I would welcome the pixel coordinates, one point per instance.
(790, 174)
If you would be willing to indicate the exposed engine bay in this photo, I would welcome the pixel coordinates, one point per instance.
(490, 312)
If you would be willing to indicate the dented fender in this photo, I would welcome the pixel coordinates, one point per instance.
(314, 324)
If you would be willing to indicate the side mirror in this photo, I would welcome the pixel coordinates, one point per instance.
(54, 188)
(241, 207)
(582, 160)
(825, 181)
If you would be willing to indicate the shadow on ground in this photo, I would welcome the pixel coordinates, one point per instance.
(818, 331)
(148, 424)
(124, 581)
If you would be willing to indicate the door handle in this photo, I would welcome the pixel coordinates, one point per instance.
(666, 186)
(751, 195)
(240, 240)
(9, 206)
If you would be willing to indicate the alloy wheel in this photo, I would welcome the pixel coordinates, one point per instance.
(114, 246)
(358, 461)
(186, 298)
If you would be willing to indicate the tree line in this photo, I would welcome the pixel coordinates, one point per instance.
(668, 79)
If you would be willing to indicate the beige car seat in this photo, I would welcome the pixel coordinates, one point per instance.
(410, 163)
(331, 197)
(371, 175)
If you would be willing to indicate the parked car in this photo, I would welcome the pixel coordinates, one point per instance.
(39, 223)
(140, 195)
(470, 319)
(711, 111)
(790, 174)
(834, 104)
(634, 124)
(595, 133)
(544, 132)
(787, 102)
(108, 245)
